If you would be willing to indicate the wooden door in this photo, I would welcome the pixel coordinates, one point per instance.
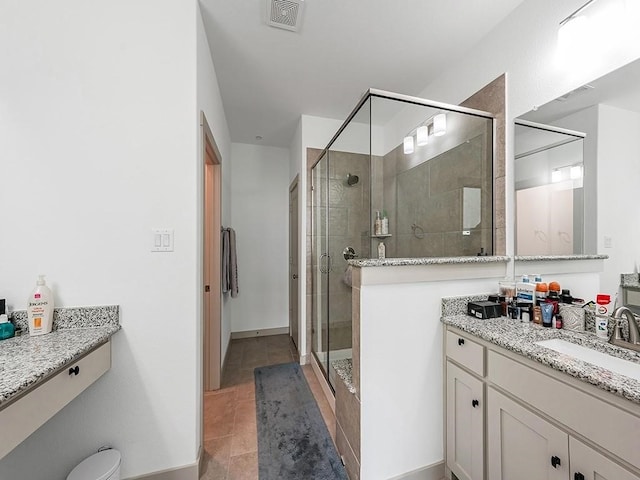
(465, 424)
(212, 288)
(294, 275)
(521, 445)
(587, 464)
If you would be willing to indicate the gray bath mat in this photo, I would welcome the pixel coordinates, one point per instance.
(293, 440)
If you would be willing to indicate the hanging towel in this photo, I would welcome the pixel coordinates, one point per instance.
(233, 264)
(225, 260)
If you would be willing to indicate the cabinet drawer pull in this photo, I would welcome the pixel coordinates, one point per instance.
(74, 370)
(475, 403)
(461, 341)
(578, 476)
(555, 461)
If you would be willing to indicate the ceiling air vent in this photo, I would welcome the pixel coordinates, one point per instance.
(286, 14)
(566, 96)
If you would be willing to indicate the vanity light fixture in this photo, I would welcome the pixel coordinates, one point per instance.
(408, 144)
(575, 172)
(422, 135)
(439, 124)
(556, 175)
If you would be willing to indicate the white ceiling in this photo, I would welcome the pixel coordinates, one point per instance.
(268, 77)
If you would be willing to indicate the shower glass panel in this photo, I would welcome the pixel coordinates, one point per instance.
(433, 179)
(320, 262)
(427, 168)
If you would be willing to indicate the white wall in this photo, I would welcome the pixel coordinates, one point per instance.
(210, 102)
(98, 122)
(618, 182)
(260, 217)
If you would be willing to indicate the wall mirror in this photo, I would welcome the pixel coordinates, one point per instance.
(577, 164)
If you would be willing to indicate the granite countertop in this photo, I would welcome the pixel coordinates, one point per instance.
(539, 258)
(520, 338)
(344, 369)
(26, 361)
(396, 262)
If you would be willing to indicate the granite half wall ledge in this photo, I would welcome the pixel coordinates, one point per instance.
(544, 258)
(398, 262)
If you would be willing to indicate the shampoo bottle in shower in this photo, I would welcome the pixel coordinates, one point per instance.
(377, 225)
(385, 224)
(381, 250)
(40, 309)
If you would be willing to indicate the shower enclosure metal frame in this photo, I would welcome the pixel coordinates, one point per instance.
(325, 256)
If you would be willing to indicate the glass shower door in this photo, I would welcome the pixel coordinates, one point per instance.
(320, 263)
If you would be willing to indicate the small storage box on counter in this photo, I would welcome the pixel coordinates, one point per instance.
(484, 309)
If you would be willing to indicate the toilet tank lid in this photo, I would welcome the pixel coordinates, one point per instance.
(99, 466)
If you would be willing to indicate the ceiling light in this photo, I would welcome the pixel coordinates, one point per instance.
(408, 145)
(422, 135)
(556, 175)
(439, 124)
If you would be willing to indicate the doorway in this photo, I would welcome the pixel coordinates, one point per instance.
(212, 291)
(294, 276)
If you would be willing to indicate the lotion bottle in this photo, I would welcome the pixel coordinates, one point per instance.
(40, 309)
(381, 250)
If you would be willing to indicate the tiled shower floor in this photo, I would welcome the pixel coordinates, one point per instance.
(230, 432)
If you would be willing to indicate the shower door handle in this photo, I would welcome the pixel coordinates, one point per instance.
(323, 267)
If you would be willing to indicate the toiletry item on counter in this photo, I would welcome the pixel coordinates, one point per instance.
(554, 299)
(547, 314)
(604, 303)
(377, 225)
(381, 250)
(537, 315)
(572, 317)
(40, 309)
(554, 287)
(384, 229)
(526, 291)
(541, 291)
(484, 309)
(602, 326)
(526, 311)
(7, 329)
(566, 297)
(558, 321)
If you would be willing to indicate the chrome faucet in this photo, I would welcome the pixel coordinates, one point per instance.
(634, 332)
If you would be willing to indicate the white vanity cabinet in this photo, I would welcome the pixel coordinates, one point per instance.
(522, 445)
(588, 464)
(465, 407)
(535, 423)
(32, 409)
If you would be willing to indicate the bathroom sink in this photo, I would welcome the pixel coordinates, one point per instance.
(614, 364)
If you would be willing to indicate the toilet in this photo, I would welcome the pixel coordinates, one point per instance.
(104, 465)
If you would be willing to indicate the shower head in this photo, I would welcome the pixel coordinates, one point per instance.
(352, 179)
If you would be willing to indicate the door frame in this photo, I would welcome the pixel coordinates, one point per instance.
(294, 240)
(211, 259)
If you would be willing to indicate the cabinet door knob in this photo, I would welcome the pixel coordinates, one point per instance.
(74, 370)
(555, 461)
(475, 403)
(461, 341)
(578, 476)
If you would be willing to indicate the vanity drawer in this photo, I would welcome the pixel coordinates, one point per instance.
(26, 414)
(466, 352)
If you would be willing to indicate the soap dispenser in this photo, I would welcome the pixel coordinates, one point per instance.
(40, 309)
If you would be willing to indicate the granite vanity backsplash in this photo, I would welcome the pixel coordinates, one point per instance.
(74, 317)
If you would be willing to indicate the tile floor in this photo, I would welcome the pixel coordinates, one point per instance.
(230, 432)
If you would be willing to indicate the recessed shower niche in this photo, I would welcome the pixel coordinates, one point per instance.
(413, 174)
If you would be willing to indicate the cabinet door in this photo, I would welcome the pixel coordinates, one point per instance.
(587, 464)
(465, 424)
(521, 445)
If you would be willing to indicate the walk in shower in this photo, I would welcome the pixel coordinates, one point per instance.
(425, 167)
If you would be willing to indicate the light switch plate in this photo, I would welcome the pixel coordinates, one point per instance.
(162, 240)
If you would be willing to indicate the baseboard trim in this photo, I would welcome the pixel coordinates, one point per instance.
(226, 357)
(259, 333)
(187, 472)
(431, 472)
